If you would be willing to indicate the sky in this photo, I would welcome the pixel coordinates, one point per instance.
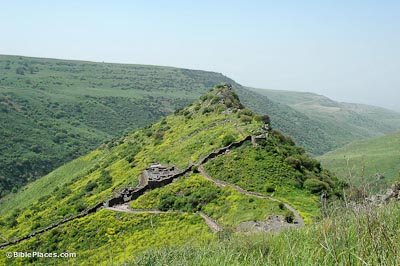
(346, 50)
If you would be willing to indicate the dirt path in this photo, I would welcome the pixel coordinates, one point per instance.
(127, 209)
(213, 225)
(220, 183)
(240, 131)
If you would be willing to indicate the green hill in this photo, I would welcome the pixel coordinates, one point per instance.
(343, 122)
(232, 179)
(375, 160)
(53, 111)
(306, 132)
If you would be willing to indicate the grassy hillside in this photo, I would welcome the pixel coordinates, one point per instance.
(306, 132)
(375, 160)
(344, 122)
(214, 121)
(52, 111)
(350, 236)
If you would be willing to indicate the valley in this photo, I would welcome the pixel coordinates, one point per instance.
(190, 204)
(374, 162)
(53, 111)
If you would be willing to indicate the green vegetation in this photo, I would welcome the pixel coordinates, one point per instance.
(274, 167)
(277, 167)
(226, 205)
(349, 236)
(110, 238)
(52, 111)
(372, 161)
(307, 132)
(176, 140)
(342, 122)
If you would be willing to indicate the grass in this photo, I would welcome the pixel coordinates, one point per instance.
(269, 169)
(372, 161)
(53, 111)
(353, 235)
(225, 205)
(343, 122)
(189, 135)
(110, 238)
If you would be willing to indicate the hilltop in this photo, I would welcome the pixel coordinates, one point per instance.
(53, 111)
(231, 172)
(373, 161)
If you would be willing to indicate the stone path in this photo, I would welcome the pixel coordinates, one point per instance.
(214, 226)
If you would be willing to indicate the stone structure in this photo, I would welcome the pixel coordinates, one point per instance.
(157, 173)
(157, 176)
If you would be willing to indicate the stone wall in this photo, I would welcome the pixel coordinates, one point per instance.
(129, 194)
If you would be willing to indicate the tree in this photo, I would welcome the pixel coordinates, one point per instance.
(20, 71)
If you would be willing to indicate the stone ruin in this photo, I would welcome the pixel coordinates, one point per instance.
(155, 176)
(157, 172)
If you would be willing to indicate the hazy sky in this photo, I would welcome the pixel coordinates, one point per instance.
(347, 50)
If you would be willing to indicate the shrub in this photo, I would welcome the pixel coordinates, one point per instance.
(266, 119)
(90, 186)
(20, 71)
(294, 162)
(309, 163)
(166, 202)
(289, 216)
(195, 169)
(282, 137)
(245, 112)
(228, 139)
(228, 102)
(245, 119)
(105, 179)
(315, 186)
(158, 135)
(270, 189)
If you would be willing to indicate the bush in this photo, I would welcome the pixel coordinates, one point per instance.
(90, 186)
(105, 179)
(158, 135)
(282, 137)
(289, 217)
(315, 186)
(294, 162)
(20, 71)
(195, 169)
(270, 189)
(245, 112)
(227, 140)
(266, 119)
(245, 119)
(309, 163)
